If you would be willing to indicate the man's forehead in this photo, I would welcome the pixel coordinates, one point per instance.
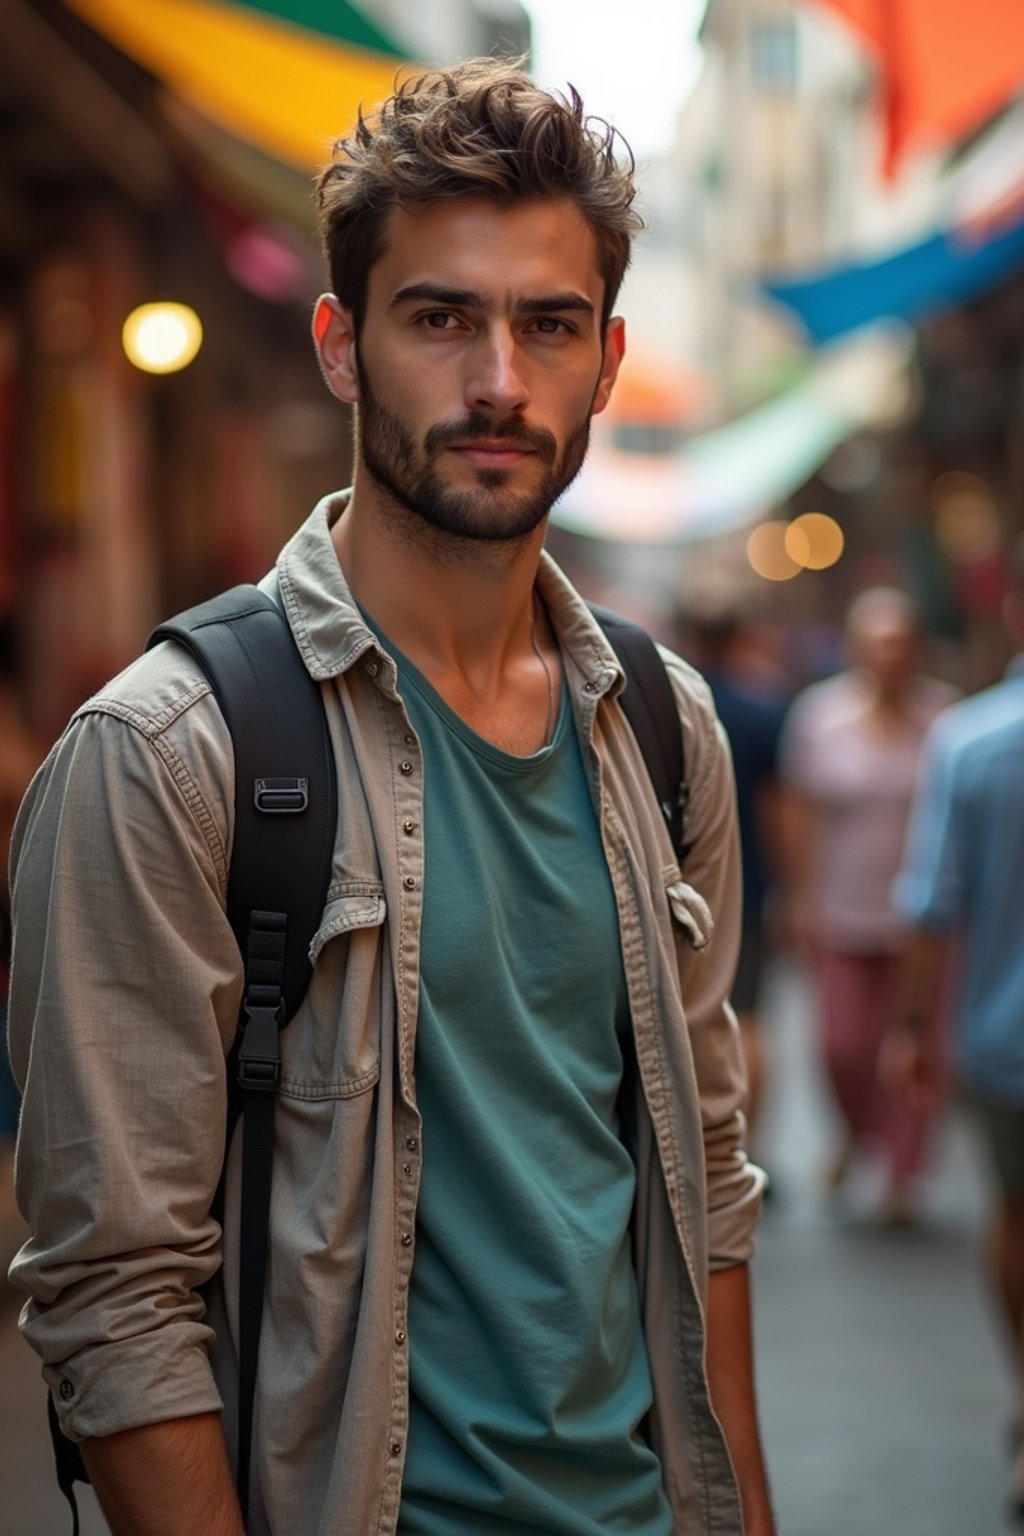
(500, 254)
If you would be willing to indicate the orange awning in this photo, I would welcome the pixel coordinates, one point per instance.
(946, 65)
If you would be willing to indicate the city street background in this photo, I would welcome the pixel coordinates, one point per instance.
(883, 1399)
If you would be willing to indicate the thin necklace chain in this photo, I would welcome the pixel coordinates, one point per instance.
(549, 722)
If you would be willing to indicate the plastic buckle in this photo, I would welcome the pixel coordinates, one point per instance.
(281, 797)
(259, 1055)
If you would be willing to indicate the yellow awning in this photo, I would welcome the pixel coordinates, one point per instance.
(286, 89)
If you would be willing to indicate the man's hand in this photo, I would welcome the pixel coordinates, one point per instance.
(165, 1479)
(909, 1066)
(911, 1062)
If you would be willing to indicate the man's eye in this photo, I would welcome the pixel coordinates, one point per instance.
(438, 320)
(547, 325)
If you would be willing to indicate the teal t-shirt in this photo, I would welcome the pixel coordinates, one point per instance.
(529, 1372)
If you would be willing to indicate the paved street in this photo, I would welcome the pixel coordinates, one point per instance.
(884, 1405)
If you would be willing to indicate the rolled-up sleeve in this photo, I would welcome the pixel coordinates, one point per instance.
(712, 869)
(124, 994)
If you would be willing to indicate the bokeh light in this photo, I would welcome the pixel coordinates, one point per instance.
(766, 551)
(162, 337)
(966, 520)
(814, 541)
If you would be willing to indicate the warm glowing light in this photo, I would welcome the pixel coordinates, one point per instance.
(966, 521)
(766, 551)
(814, 541)
(162, 338)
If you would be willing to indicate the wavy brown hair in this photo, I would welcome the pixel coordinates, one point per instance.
(479, 129)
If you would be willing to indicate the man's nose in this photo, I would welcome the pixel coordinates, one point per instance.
(496, 383)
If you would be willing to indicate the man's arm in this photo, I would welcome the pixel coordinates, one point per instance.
(911, 1063)
(730, 1365)
(124, 993)
(163, 1479)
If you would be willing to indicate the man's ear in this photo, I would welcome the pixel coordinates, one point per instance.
(614, 351)
(334, 335)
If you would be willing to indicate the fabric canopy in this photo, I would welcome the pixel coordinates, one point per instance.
(950, 267)
(945, 65)
(287, 77)
(726, 477)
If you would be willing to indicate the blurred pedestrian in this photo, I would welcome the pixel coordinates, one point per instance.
(849, 758)
(962, 889)
(751, 701)
(507, 1281)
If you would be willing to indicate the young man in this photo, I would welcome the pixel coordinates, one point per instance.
(488, 1296)
(962, 884)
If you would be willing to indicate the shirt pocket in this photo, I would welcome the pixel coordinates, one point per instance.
(691, 914)
(331, 1048)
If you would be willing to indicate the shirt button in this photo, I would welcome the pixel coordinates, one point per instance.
(396, 1447)
(409, 883)
(407, 1170)
(410, 739)
(405, 768)
(591, 687)
(373, 668)
(400, 1336)
(67, 1390)
(412, 1142)
(406, 1239)
(408, 827)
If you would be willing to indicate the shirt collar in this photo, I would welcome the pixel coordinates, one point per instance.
(331, 633)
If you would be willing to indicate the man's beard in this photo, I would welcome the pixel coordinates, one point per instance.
(492, 512)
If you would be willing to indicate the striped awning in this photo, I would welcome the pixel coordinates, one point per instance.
(287, 77)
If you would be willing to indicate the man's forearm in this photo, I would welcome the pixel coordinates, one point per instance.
(163, 1479)
(731, 1379)
(924, 960)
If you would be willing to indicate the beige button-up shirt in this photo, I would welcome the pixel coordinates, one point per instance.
(125, 995)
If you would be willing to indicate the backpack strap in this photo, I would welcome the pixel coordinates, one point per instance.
(286, 815)
(649, 705)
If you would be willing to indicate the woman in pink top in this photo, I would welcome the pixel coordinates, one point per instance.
(849, 760)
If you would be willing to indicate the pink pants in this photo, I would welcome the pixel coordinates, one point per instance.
(858, 1001)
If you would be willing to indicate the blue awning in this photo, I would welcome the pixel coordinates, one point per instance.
(947, 269)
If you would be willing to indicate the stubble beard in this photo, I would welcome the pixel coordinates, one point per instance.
(492, 513)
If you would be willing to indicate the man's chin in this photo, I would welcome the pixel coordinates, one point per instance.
(490, 513)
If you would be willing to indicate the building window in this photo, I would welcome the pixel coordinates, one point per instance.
(773, 56)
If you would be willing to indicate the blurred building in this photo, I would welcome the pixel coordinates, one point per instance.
(856, 317)
(777, 168)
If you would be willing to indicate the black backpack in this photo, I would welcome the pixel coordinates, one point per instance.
(286, 815)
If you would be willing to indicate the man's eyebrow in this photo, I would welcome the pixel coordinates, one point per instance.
(469, 298)
(552, 303)
(437, 293)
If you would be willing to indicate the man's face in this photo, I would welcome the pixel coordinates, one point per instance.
(480, 362)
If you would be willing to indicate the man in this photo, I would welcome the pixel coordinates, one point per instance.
(485, 1307)
(849, 756)
(962, 886)
(750, 701)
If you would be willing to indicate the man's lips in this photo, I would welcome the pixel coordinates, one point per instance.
(492, 451)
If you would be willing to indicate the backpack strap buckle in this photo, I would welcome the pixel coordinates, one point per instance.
(259, 1055)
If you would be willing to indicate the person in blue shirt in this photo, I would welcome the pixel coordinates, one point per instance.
(962, 886)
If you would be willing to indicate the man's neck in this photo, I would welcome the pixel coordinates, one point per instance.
(456, 607)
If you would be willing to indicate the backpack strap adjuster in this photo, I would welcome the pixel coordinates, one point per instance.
(259, 1055)
(281, 797)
